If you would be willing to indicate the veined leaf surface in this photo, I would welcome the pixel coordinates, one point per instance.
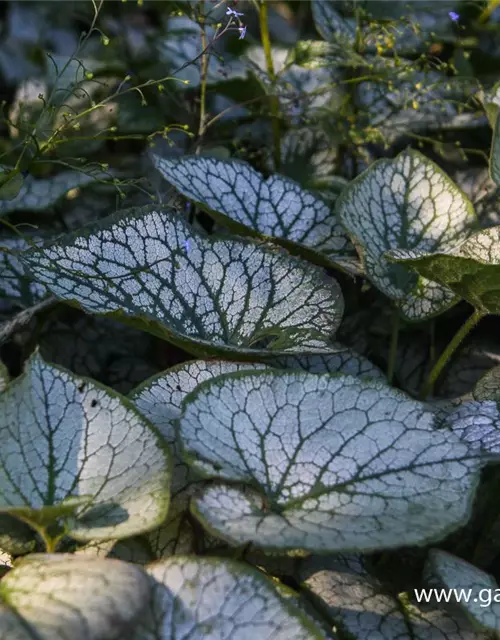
(72, 450)
(276, 207)
(333, 463)
(209, 295)
(411, 204)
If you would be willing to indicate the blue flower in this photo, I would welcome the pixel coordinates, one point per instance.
(232, 12)
(454, 16)
(243, 32)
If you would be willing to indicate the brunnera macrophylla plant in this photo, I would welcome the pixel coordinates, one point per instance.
(275, 477)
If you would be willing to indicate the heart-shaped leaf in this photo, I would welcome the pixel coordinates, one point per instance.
(159, 399)
(38, 194)
(334, 462)
(360, 605)
(458, 576)
(74, 453)
(407, 203)
(218, 598)
(470, 268)
(488, 386)
(208, 295)
(276, 207)
(57, 597)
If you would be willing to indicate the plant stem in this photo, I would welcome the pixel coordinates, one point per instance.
(492, 5)
(394, 345)
(455, 342)
(203, 85)
(275, 107)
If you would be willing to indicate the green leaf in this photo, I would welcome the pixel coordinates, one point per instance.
(11, 182)
(277, 207)
(305, 443)
(218, 598)
(363, 609)
(488, 386)
(16, 537)
(159, 399)
(38, 194)
(72, 450)
(209, 295)
(470, 267)
(451, 572)
(407, 203)
(491, 102)
(57, 597)
(4, 377)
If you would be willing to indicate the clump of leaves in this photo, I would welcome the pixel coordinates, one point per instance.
(325, 466)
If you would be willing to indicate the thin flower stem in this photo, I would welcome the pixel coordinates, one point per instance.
(275, 107)
(394, 345)
(444, 358)
(492, 5)
(203, 86)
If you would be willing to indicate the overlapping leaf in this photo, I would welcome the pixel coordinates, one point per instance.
(411, 204)
(209, 295)
(74, 453)
(276, 207)
(330, 24)
(470, 267)
(360, 605)
(333, 462)
(478, 423)
(216, 598)
(56, 597)
(159, 400)
(37, 194)
(15, 285)
(488, 386)
(454, 573)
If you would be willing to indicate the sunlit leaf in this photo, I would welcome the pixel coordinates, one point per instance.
(276, 207)
(470, 267)
(209, 295)
(411, 204)
(310, 447)
(455, 574)
(363, 608)
(57, 597)
(73, 452)
(218, 598)
(159, 399)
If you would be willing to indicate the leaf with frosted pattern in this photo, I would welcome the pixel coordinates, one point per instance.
(38, 194)
(345, 360)
(470, 267)
(72, 451)
(330, 24)
(477, 423)
(276, 207)
(61, 596)
(217, 598)
(159, 399)
(407, 203)
(363, 608)
(333, 462)
(209, 295)
(450, 572)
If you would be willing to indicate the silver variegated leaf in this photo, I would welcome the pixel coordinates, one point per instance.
(334, 463)
(477, 423)
(360, 605)
(159, 399)
(74, 453)
(276, 207)
(216, 598)
(488, 386)
(458, 576)
(38, 194)
(208, 295)
(411, 204)
(470, 267)
(57, 597)
(330, 24)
